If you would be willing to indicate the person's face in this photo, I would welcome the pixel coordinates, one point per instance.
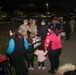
(10, 33)
(34, 22)
(42, 23)
(25, 23)
(64, 22)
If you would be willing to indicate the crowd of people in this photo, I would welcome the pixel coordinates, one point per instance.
(21, 45)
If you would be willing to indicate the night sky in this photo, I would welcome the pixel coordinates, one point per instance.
(17, 4)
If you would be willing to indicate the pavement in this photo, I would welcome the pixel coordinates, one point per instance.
(68, 55)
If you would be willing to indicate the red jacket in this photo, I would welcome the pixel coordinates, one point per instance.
(54, 40)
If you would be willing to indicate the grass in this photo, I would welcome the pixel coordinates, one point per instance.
(62, 38)
(4, 35)
(3, 42)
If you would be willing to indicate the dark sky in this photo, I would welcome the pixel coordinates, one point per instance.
(15, 4)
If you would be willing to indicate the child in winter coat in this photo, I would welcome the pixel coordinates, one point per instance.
(41, 57)
(30, 53)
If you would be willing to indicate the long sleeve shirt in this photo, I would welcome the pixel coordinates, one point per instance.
(54, 40)
(12, 46)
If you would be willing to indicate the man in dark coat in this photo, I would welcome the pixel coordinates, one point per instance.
(67, 29)
(43, 31)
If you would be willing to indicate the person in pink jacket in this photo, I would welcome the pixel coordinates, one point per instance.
(41, 57)
(53, 44)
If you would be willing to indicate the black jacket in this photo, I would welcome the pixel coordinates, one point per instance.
(30, 53)
(43, 32)
(19, 50)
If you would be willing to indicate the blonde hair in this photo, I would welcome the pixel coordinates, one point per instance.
(65, 68)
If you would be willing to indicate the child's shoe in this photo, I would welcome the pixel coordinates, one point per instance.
(31, 68)
(43, 68)
(39, 67)
(28, 69)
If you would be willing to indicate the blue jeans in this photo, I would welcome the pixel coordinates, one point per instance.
(41, 63)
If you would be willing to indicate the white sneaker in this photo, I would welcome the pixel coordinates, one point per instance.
(39, 67)
(28, 69)
(31, 68)
(43, 68)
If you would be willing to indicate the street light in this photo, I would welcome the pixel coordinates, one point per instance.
(47, 6)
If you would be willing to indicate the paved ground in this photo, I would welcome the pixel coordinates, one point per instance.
(68, 56)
